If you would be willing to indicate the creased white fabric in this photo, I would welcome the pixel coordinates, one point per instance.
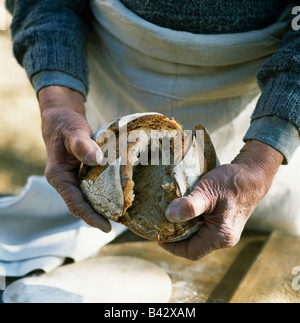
(38, 232)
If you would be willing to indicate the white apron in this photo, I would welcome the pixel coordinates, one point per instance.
(136, 66)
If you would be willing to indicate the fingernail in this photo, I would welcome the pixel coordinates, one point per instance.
(173, 213)
(94, 157)
(99, 222)
(106, 227)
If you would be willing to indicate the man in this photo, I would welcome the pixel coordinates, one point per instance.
(50, 41)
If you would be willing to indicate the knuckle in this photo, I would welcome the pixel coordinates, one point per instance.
(55, 177)
(204, 199)
(77, 205)
(51, 174)
(78, 144)
(228, 239)
(51, 128)
(198, 253)
(68, 138)
(188, 208)
(72, 208)
(194, 256)
(226, 243)
(76, 208)
(201, 248)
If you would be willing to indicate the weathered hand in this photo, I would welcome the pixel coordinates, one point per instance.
(67, 136)
(225, 197)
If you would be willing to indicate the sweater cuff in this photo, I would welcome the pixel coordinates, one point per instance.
(276, 132)
(48, 78)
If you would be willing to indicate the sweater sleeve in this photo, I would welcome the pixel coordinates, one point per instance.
(50, 36)
(279, 80)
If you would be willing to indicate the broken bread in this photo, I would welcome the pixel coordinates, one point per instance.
(149, 160)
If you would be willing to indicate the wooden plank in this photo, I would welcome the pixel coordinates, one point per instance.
(275, 275)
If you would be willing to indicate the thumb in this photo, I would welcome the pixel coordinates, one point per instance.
(84, 148)
(190, 206)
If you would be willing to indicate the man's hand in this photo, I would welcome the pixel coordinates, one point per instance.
(225, 197)
(67, 136)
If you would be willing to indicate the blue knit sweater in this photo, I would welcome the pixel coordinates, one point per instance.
(49, 41)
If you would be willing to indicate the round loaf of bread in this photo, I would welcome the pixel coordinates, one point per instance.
(149, 160)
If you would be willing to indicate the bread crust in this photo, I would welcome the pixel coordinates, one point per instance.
(163, 230)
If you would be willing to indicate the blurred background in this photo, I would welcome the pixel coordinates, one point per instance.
(22, 151)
